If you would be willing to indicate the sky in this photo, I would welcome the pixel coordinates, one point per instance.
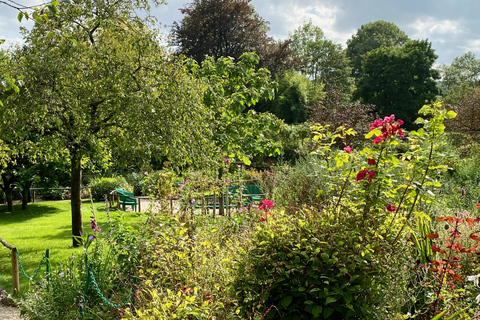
(452, 26)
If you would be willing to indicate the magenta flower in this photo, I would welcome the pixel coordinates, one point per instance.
(227, 161)
(391, 208)
(94, 226)
(266, 205)
(348, 149)
(362, 174)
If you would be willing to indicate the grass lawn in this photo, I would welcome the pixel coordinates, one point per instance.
(45, 225)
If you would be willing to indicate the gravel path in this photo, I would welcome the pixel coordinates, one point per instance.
(9, 313)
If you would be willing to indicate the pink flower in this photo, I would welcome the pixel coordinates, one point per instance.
(378, 139)
(227, 160)
(348, 149)
(377, 123)
(400, 122)
(391, 208)
(389, 119)
(372, 162)
(266, 205)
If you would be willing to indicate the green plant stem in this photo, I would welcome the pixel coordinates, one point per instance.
(416, 194)
(343, 189)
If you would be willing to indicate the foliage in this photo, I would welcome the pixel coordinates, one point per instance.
(335, 111)
(231, 88)
(294, 92)
(103, 78)
(112, 254)
(463, 69)
(323, 60)
(186, 268)
(211, 28)
(328, 259)
(399, 80)
(467, 109)
(100, 187)
(278, 57)
(371, 36)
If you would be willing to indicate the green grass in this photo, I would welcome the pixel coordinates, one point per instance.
(45, 225)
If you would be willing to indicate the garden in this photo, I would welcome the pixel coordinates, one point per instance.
(296, 180)
(384, 228)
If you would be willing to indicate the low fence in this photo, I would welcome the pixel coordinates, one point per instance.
(17, 266)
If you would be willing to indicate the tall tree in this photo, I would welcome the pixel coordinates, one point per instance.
(371, 36)
(105, 81)
(399, 80)
(214, 28)
(323, 60)
(464, 69)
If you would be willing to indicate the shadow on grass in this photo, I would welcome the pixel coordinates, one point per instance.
(18, 215)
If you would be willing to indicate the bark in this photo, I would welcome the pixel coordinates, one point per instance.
(76, 200)
(7, 188)
(9, 199)
(26, 194)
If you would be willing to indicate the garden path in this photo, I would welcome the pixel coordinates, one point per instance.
(9, 313)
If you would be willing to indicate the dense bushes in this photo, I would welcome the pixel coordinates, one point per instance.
(351, 237)
(103, 186)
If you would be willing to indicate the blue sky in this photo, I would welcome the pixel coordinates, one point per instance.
(452, 26)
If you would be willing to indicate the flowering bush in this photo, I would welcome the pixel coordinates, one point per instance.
(344, 257)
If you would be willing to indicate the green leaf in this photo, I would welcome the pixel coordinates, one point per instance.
(73, 41)
(327, 313)
(316, 311)
(451, 114)
(348, 297)
(20, 16)
(286, 301)
(246, 160)
(330, 300)
(438, 316)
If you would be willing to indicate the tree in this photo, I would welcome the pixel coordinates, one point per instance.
(371, 36)
(295, 92)
(231, 89)
(465, 68)
(399, 80)
(278, 57)
(105, 82)
(217, 29)
(323, 59)
(468, 113)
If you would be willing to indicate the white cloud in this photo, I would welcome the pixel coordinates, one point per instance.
(290, 16)
(473, 46)
(426, 28)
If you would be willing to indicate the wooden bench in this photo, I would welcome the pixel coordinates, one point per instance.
(126, 198)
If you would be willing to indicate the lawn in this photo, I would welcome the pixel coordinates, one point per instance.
(45, 225)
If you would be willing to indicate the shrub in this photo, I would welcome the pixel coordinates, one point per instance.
(112, 256)
(103, 186)
(52, 194)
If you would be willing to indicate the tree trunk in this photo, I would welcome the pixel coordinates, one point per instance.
(9, 198)
(76, 200)
(7, 188)
(26, 194)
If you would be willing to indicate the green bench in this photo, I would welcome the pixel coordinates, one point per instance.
(252, 193)
(126, 198)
